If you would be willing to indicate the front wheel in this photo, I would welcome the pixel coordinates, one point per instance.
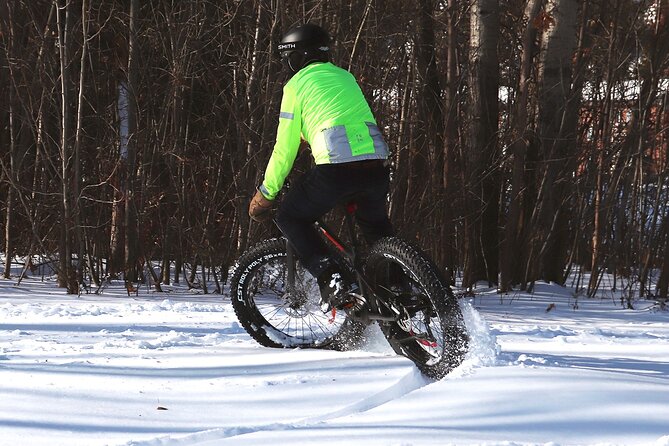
(430, 328)
(278, 315)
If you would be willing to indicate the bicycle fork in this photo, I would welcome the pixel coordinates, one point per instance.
(291, 259)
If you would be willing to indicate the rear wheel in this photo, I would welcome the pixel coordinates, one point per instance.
(430, 329)
(277, 316)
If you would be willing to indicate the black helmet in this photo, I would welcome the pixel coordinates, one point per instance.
(303, 45)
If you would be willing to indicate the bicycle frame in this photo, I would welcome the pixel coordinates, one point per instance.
(350, 256)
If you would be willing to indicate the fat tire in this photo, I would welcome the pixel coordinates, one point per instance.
(424, 275)
(348, 336)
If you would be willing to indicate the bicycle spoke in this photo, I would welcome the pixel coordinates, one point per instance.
(295, 314)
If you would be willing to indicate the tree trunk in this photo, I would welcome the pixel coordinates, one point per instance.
(428, 144)
(481, 219)
(9, 247)
(663, 280)
(601, 168)
(449, 143)
(512, 252)
(130, 224)
(9, 204)
(79, 228)
(65, 276)
(555, 74)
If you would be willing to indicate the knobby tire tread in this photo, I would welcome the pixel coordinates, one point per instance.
(349, 336)
(425, 273)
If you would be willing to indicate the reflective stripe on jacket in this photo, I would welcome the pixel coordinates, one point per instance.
(323, 104)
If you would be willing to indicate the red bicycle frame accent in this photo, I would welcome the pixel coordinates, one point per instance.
(332, 239)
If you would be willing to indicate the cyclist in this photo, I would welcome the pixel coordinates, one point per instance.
(324, 105)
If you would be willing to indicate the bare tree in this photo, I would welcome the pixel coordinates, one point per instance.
(130, 226)
(482, 187)
(65, 272)
(8, 28)
(136, 131)
(555, 92)
(511, 266)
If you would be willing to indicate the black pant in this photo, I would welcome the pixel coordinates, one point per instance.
(323, 188)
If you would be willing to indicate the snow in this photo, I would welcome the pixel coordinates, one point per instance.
(176, 368)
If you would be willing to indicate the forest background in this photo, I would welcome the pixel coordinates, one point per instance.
(529, 139)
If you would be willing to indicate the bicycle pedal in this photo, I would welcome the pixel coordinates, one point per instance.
(358, 303)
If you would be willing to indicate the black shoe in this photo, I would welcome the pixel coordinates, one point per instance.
(336, 291)
(332, 286)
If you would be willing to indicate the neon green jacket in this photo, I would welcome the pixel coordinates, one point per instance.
(324, 105)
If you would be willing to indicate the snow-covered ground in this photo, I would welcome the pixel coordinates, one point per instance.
(177, 369)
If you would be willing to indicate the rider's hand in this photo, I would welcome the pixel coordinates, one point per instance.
(260, 208)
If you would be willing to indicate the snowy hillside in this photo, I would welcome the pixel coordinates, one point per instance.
(177, 369)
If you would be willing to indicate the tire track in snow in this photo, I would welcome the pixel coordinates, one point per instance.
(410, 382)
(483, 351)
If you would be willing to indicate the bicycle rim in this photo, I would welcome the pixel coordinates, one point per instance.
(276, 316)
(430, 329)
